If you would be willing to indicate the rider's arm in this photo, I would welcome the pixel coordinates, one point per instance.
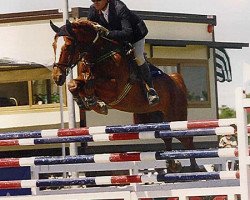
(126, 34)
(92, 14)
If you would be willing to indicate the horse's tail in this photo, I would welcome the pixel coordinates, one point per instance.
(179, 99)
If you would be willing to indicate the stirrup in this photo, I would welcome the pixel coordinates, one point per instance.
(153, 97)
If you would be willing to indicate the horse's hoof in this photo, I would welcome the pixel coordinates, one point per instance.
(174, 167)
(101, 108)
(198, 169)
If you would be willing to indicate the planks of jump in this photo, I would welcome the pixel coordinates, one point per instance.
(128, 132)
(119, 157)
(118, 180)
(114, 133)
(47, 138)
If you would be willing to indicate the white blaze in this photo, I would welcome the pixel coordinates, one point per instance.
(60, 43)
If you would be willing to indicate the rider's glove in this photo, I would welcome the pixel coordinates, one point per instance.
(102, 30)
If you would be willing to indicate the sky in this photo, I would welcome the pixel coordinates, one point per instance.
(233, 25)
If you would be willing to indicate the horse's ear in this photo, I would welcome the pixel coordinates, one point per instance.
(69, 28)
(54, 27)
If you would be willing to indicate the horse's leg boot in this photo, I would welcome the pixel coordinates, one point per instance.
(152, 95)
(80, 102)
(91, 101)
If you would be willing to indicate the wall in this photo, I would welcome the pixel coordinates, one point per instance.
(30, 42)
(177, 31)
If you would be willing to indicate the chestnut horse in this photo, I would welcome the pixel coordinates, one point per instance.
(112, 82)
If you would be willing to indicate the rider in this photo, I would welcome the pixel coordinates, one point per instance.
(121, 24)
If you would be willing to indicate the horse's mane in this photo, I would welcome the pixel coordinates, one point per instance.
(83, 23)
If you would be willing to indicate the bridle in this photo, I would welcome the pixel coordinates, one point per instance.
(66, 67)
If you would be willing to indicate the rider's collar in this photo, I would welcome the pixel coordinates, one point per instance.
(106, 12)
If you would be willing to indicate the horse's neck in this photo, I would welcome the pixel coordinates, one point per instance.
(104, 44)
(113, 62)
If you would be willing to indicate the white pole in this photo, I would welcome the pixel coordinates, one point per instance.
(241, 116)
(70, 101)
(62, 122)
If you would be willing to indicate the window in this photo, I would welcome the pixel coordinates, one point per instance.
(44, 92)
(195, 74)
(35, 93)
(14, 92)
(196, 81)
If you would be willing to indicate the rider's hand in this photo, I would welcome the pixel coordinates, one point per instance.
(102, 30)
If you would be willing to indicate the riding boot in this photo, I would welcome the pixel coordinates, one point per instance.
(152, 95)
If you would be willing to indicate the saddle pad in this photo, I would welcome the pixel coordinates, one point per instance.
(155, 72)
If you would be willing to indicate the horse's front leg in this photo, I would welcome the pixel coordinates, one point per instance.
(84, 95)
(92, 100)
(75, 86)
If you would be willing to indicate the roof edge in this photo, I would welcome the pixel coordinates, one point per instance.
(78, 12)
(183, 43)
(159, 16)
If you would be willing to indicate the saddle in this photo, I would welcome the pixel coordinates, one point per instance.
(134, 74)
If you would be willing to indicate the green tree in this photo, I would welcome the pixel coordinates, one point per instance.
(226, 112)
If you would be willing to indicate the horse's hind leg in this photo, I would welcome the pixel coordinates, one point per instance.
(158, 117)
(172, 165)
(188, 143)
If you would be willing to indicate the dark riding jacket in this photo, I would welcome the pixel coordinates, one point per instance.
(124, 25)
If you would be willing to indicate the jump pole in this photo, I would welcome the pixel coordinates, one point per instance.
(118, 157)
(118, 180)
(159, 129)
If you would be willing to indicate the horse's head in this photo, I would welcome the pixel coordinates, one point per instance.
(70, 43)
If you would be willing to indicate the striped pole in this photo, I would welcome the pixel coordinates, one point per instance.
(117, 180)
(119, 136)
(178, 125)
(118, 157)
(63, 133)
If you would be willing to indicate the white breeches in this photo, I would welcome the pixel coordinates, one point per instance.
(139, 52)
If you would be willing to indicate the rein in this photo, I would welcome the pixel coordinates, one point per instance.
(69, 66)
